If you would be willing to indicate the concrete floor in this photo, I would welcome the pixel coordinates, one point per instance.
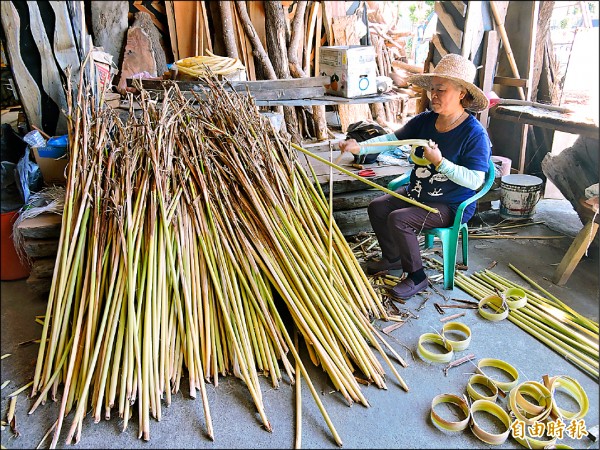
(395, 419)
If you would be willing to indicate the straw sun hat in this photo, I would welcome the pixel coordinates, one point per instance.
(460, 70)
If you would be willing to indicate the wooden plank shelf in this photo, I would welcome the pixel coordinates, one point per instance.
(326, 100)
(307, 91)
(544, 118)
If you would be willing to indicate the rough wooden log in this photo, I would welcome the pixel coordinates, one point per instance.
(297, 32)
(258, 49)
(227, 24)
(144, 21)
(574, 169)
(549, 85)
(296, 39)
(80, 33)
(277, 51)
(109, 26)
(276, 40)
(544, 16)
(378, 113)
(138, 57)
(407, 67)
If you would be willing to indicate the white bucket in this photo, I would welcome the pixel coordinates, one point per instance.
(518, 195)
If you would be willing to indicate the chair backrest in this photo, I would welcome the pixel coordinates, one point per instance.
(487, 184)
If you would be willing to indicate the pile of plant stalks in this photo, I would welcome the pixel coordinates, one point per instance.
(186, 230)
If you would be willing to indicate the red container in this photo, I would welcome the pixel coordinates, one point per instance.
(11, 267)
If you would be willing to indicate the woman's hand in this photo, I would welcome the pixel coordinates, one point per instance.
(349, 145)
(432, 153)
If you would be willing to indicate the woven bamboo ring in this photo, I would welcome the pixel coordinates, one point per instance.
(457, 346)
(446, 424)
(515, 293)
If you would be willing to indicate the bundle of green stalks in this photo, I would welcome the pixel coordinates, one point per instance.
(186, 231)
(544, 316)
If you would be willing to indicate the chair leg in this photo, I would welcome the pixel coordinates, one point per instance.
(465, 246)
(429, 240)
(449, 251)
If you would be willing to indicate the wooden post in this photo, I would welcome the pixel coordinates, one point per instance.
(490, 57)
(507, 47)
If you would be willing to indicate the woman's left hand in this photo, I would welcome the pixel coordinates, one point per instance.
(432, 153)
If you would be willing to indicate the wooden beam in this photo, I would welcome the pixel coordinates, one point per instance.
(244, 45)
(258, 86)
(172, 30)
(508, 81)
(575, 253)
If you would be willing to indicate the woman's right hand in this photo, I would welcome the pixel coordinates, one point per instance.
(349, 145)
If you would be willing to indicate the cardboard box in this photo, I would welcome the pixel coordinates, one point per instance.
(103, 69)
(351, 70)
(52, 162)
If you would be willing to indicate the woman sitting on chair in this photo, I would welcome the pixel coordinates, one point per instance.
(458, 155)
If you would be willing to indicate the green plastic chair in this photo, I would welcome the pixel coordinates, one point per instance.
(449, 236)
